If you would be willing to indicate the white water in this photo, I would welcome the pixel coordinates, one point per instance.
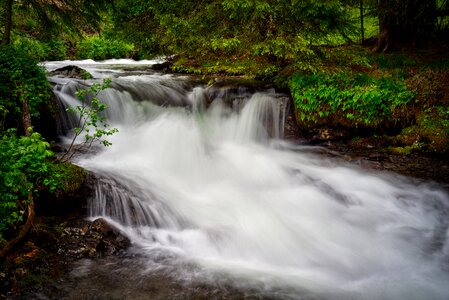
(210, 195)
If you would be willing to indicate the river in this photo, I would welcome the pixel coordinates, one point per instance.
(201, 180)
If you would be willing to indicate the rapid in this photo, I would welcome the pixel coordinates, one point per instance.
(201, 180)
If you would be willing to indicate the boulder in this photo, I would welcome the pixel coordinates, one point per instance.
(71, 72)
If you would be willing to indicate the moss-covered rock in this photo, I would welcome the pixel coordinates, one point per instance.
(71, 72)
(72, 178)
(430, 134)
(71, 195)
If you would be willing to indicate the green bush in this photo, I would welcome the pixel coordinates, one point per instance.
(57, 50)
(24, 170)
(359, 100)
(21, 78)
(97, 47)
(393, 61)
(41, 51)
(227, 46)
(34, 48)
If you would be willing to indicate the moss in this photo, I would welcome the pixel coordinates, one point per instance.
(431, 132)
(86, 75)
(407, 150)
(71, 178)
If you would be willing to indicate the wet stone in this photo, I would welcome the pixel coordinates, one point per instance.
(71, 72)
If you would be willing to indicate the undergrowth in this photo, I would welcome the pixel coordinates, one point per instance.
(355, 100)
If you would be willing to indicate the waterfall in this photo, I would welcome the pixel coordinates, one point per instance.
(201, 177)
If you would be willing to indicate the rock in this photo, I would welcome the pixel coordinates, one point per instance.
(327, 134)
(165, 66)
(101, 226)
(113, 241)
(71, 72)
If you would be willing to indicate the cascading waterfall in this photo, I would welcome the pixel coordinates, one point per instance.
(201, 178)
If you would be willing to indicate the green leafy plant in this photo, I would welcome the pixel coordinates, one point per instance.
(339, 99)
(96, 47)
(226, 45)
(21, 79)
(91, 122)
(25, 168)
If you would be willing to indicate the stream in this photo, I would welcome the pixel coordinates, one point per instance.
(201, 180)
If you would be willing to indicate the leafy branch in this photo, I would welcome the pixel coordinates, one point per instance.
(91, 123)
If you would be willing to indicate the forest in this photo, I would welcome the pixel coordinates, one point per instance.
(359, 72)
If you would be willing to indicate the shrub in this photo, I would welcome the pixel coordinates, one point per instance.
(20, 78)
(97, 47)
(41, 51)
(359, 100)
(34, 48)
(24, 169)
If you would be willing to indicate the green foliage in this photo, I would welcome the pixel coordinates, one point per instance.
(260, 27)
(41, 51)
(91, 121)
(268, 73)
(228, 46)
(435, 118)
(393, 61)
(49, 20)
(25, 169)
(56, 49)
(34, 48)
(21, 78)
(284, 49)
(71, 177)
(359, 100)
(97, 47)
(429, 134)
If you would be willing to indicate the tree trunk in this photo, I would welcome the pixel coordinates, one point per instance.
(26, 117)
(384, 40)
(362, 27)
(8, 23)
(406, 22)
(23, 232)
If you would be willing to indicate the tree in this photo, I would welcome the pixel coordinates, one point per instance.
(8, 23)
(24, 88)
(410, 22)
(69, 16)
(262, 27)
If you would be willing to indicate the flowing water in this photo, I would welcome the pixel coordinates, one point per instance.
(201, 181)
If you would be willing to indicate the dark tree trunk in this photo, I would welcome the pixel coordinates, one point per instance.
(26, 117)
(8, 23)
(362, 27)
(387, 22)
(407, 22)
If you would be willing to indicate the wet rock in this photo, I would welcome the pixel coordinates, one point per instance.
(85, 239)
(231, 89)
(326, 134)
(113, 241)
(71, 72)
(165, 66)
